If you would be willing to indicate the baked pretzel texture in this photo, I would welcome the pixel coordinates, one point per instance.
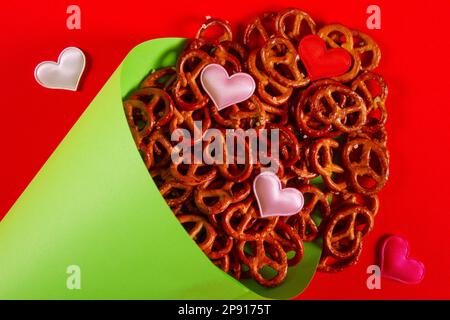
(332, 144)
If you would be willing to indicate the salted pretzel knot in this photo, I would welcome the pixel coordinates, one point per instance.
(346, 199)
(196, 226)
(158, 103)
(162, 78)
(316, 203)
(157, 150)
(367, 50)
(295, 30)
(305, 116)
(264, 252)
(215, 196)
(268, 89)
(330, 264)
(187, 91)
(249, 113)
(241, 221)
(187, 120)
(340, 106)
(226, 35)
(175, 193)
(290, 242)
(139, 120)
(322, 160)
(302, 167)
(345, 229)
(192, 174)
(375, 101)
(367, 159)
(280, 54)
(260, 30)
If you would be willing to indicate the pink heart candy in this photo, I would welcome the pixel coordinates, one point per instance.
(396, 264)
(223, 89)
(272, 199)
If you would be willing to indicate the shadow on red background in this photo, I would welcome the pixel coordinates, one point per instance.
(414, 62)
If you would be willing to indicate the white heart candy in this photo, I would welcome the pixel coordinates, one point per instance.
(64, 74)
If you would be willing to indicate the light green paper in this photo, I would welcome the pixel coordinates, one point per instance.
(93, 204)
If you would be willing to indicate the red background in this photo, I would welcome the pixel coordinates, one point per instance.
(413, 40)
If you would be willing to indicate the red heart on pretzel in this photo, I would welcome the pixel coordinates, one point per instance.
(321, 62)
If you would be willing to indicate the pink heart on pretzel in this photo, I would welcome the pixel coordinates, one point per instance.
(272, 199)
(225, 90)
(396, 263)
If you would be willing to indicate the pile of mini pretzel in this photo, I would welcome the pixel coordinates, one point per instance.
(332, 145)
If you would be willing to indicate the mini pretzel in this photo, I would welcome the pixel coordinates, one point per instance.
(175, 193)
(186, 120)
(366, 159)
(288, 145)
(241, 222)
(192, 174)
(363, 46)
(340, 106)
(305, 117)
(158, 103)
(374, 103)
(162, 78)
(345, 229)
(322, 160)
(278, 115)
(290, 241)
(259, 31)
(301, 25)
(345, 199)
(276, 259)
(249, 113)
(316, 202)
(157, 151)
(268, 89)
(187, 91)
(330, 264)
(139, 120)
(221, 247)
(215, 196)
(302, 167)
(226, 35)
(194, 225)
(237, 50)
(222, 263)
(281, 61)
(219, 52)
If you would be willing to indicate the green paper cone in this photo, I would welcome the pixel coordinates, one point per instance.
(94, 205)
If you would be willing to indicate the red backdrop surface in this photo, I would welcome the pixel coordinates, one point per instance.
(413, 40)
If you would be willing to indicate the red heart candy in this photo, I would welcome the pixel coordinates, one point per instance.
(321, 62)
(395, 263)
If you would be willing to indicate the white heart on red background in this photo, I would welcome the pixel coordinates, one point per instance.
(64, 74)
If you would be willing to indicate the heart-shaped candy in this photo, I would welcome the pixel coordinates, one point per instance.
(64, 74)
(396, 263)
(272, 199)
(225, 90)
(320, 62)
